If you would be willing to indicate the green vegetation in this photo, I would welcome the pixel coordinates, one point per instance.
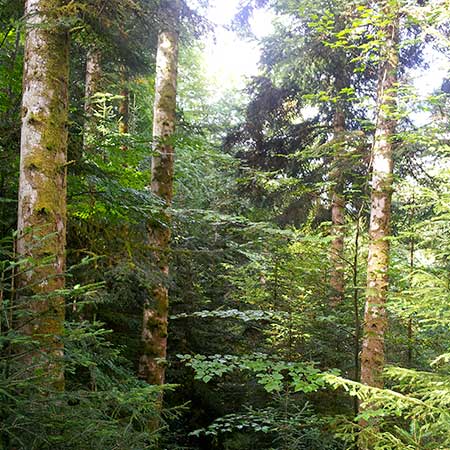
(266, 287)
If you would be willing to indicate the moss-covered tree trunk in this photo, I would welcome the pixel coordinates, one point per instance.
(42, 185)
(337, 272)
(375, 320)
(155, 315)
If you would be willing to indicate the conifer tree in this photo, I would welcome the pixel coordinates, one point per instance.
(337, 210)
(375, 320)
(42, 185)
(155, 314)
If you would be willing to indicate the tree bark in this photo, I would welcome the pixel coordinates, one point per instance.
(124, 104)
(412, 248)
(42, 184)
(337, 274)
(375, 320)
(155, 314)
(92, 82)
(357, 335)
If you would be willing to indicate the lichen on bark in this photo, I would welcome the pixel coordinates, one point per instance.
(155, 314)
(375, 319)
(42, 183)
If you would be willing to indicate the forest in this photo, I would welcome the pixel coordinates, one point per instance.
(186, 265)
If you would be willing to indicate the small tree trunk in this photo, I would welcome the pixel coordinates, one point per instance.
(124, 104)
(155, 315)
(412, 247)
(337, 213)
(357, 335)
(375, 320)
(92, 82)
(42, 184)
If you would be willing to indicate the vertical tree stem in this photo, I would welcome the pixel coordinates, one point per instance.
(155, 314)
(375, 320)
(42, 183)
(337, 213)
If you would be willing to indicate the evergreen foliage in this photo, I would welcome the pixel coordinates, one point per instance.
(258, 355)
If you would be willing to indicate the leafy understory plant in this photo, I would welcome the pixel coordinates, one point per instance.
(296, 427)
(272, 373)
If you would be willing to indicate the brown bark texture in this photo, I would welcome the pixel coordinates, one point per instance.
(337, 273)
(375, 320)
(42, 184)
(155, 315)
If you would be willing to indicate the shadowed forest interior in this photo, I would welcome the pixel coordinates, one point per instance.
(224, 224)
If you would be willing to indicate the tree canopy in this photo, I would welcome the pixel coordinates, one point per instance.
(185, 265)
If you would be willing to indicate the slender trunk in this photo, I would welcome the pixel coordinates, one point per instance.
(12, 65)
(412, 245)
(375, 320)
(92, 81)
(124, 104)
(409, 355)
(42, 184)
(155, 314)
(93, 75)
(337, 213)
(356, 309)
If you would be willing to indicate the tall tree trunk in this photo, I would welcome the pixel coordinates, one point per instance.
(93, 75)
(42, 184)
(155, 314)
(337, 212)
(92, 82)
(375, 320)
